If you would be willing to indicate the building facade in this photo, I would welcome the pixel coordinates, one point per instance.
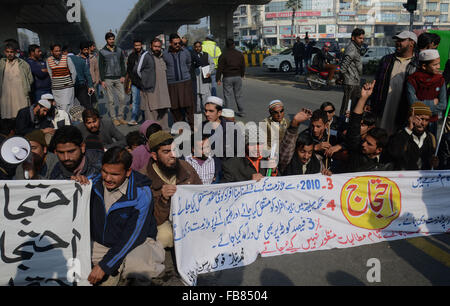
(270, 24)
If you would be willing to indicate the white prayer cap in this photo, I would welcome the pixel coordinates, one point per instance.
(47, 96)
(45, 103)
(428, 55)
(405, 35)
(214, 100)
(275, 103)
(227, 113)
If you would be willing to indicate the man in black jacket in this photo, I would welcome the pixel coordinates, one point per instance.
(367, 155)
(123, 227)
(412, 148)
(298, 51)
(34, 117)
(132, 61)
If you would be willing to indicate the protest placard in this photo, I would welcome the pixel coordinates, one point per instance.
(44, 233)
(223, 226)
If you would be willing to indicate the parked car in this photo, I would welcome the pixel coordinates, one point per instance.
(284, 61)
(376, 53)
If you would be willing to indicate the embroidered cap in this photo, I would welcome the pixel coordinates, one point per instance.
(428, 55)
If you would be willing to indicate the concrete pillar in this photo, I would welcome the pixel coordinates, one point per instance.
(8, 14)
(222, 24)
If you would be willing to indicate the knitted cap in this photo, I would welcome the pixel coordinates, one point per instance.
(214, 100)
(158, 138)
(228, 113)
(420, 109)
(37, 136)
(45, 103)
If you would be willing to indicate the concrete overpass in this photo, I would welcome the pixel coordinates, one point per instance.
(47, 18)
(150, 18)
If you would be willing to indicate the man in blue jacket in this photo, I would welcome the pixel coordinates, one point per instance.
(123, 227)
(42, 82)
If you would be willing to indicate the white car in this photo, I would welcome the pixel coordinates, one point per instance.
(283, 61)
(376, 53)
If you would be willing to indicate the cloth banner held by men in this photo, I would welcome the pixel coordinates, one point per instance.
(45, 238)
(223, 226)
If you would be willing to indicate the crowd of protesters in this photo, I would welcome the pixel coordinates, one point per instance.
(389, 127)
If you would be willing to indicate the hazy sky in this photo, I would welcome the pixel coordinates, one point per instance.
(104, 15)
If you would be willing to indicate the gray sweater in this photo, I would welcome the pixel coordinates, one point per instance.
(109, 135)
(178, 66)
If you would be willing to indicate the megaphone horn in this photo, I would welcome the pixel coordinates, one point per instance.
(15, 150)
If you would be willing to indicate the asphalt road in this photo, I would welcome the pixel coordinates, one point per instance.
(410, 262)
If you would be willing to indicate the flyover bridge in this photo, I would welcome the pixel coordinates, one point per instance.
(47, 18)
(150, 18)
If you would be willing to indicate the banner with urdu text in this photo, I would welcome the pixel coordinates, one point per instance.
(44, 233)
(223, 226)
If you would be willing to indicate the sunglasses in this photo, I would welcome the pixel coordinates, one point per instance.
(279, 112)
(329, 111)
(177, 44)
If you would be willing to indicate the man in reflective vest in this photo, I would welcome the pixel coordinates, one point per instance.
(210, 46)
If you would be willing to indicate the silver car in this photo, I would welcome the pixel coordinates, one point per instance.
(376, 53)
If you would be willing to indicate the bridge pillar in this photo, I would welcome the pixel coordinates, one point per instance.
(8, 13)
(222, 24)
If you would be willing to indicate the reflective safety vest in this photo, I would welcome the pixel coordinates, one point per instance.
(211, 48)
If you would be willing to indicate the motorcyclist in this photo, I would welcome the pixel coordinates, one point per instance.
(323, 62)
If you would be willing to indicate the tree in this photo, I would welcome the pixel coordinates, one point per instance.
(293, 5)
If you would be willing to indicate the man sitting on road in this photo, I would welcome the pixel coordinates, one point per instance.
(166, 172)
(367, 155)
(75, 162)
(123, 227)
(93, 124)
(33, 118)
(276, 111)
(44, 160)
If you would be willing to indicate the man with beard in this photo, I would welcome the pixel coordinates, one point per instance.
(155, 99)
(75, 162)
(166, 172)
(44, 161)
(93, 124)
(278, 120)
(15, 83)
(413, 148)
(179, 61)
(208, 168)
(63, 73)
(389, 101)
(34, 117)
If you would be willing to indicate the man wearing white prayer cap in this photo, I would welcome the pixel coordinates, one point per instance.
(428, 55)
(58, 117)
(34, 117)
(228, 114)
(276, 122)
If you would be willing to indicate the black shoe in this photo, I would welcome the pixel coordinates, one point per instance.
(240, 114)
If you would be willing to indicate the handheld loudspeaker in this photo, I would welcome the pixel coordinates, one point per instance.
(15, 150)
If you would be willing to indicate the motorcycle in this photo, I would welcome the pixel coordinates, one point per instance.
(317, 79)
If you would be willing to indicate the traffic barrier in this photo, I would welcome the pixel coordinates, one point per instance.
(255, 59)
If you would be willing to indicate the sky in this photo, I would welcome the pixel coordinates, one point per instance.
(104, 15)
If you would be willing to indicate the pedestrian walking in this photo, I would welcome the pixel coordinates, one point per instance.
(232, 69)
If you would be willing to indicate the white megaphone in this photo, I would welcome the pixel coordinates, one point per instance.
(15, 150)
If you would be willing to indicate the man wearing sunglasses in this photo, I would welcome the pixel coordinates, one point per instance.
(178, 61)
(276, 122)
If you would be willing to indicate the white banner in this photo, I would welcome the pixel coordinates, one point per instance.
(223, 226)
(44, 233)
